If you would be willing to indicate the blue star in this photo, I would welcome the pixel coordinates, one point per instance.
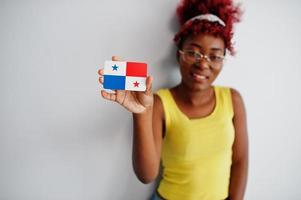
(115, 67)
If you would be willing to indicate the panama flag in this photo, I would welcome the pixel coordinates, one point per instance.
(120, 75)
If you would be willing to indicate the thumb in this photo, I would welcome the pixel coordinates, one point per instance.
(116, 58)
(149, 81)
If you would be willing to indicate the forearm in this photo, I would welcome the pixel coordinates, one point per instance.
(145, 157)
(238, 180)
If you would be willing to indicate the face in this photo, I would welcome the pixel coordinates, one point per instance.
(199, 75)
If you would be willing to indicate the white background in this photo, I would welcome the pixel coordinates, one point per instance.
(59, 140)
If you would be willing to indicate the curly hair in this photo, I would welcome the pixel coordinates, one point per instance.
(224, 9)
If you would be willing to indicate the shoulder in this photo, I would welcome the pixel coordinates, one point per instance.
(237, 101)
(158, 108)
(162, 92)
(157, 101)
(158, 116)
(236, 96)
(162, 99)
(160, 96)
(233, 93)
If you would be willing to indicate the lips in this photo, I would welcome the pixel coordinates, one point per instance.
(197, 76)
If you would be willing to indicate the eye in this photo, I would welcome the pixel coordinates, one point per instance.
(216, 58)
(191, 53)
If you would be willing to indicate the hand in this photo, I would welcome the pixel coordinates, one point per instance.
(135, 102)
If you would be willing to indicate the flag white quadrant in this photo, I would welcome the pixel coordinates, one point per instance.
(135, 83)
(117, 68)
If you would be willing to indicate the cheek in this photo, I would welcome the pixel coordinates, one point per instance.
(215, 73)
(184, 69)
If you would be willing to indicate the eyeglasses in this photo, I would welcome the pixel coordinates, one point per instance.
(192, 57)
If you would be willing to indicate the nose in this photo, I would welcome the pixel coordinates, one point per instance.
(203, 64)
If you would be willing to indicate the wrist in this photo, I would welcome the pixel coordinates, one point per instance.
(146, 111)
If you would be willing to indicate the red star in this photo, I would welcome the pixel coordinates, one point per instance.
(136, 84)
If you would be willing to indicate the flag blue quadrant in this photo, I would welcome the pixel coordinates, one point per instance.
(114, 82)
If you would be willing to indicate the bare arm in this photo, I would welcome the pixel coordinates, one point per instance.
(147, 142)
(239, 169)
(147, 131)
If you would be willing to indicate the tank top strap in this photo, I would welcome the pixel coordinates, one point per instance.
(225, 100)
(169, 105)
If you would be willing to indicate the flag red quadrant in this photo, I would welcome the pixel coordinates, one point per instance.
(136, 69)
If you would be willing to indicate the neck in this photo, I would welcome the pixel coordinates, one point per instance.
(194, 97)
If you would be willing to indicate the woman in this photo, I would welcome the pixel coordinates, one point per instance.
(196, 129)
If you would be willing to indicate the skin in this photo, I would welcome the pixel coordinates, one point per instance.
(195, 97)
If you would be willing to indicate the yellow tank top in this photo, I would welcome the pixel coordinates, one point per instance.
(197, 153)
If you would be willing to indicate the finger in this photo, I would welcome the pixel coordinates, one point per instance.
(121, 95)
(100, 79)
(108, 96)
(116, 58)
(101, 72)
(149, 81)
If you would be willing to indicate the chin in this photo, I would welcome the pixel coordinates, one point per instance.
(197, 86)
(200, 87)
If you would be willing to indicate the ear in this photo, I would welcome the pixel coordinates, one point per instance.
(178, 56)
(179, 46)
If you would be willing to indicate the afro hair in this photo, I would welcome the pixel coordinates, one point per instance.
(224, 9)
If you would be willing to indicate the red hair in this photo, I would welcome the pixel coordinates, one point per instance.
(224, 9)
